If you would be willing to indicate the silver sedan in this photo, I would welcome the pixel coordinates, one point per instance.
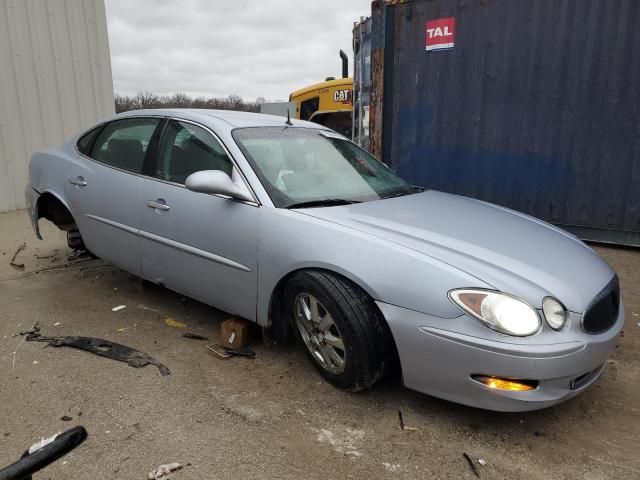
(292, 226)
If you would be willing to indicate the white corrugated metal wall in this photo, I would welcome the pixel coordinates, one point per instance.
(55, 79)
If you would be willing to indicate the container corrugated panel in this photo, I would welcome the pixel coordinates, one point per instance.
(536, 107)
(361, 82)
(55, 79)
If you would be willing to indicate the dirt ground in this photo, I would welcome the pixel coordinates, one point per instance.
(272, 417)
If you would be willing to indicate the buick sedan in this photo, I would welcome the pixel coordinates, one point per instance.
(292, 226)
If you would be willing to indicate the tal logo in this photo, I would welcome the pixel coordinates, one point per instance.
(441, 33)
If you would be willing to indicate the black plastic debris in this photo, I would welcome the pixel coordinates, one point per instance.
(101, 347)
(472, 465)
(44, 453)
(194, 336)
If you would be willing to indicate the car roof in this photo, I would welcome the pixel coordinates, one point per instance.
(235, 119)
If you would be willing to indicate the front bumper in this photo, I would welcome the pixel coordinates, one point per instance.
(439, 356)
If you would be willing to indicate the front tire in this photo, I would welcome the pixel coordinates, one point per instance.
(343, 332)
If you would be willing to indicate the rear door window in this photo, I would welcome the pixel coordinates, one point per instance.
(124, 143)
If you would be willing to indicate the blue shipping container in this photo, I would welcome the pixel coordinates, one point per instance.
(534, 105)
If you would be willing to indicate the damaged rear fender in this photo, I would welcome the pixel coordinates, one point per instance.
(50, 206)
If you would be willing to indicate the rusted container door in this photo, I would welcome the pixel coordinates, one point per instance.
(535, 106)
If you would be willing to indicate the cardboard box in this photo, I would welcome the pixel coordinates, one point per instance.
(237, 333)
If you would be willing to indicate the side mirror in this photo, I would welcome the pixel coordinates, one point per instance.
(218, 183)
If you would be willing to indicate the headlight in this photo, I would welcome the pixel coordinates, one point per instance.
(554, 313)
(500, 312)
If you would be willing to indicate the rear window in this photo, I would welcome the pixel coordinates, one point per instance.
(86, 141)
(124, 143)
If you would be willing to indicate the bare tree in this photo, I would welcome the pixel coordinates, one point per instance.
(144, 99)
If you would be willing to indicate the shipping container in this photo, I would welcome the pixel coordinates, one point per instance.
(534, 105)
(362, 82)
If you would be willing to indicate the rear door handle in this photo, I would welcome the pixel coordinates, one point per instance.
(79, 181)
(158, 205)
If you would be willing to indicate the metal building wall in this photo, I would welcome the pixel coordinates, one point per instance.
(537, 107)
(55, 79)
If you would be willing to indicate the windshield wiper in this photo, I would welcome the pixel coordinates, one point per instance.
(326, 202)
(402, 193)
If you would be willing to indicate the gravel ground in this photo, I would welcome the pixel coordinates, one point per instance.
(272, 417)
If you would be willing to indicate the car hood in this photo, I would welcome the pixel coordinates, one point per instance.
(508, 250)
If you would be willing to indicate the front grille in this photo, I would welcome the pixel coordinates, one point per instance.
(603, 311)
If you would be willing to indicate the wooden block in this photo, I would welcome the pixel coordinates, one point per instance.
(237, 333)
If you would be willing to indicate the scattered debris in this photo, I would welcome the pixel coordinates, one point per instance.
(79, 255)
(238, 332)
(403, 426)
(57, 324)
(34, 328)
(66, 418)
(345, 441)
(145, 307)
(391, 467)
(63, 268)
(164, 470)
(219, 351)
(471, 464)
(103, 348)
(635, 314)
(123, 329)
(194, 336)
(170, 322)
(42, 443)
(118, 308)
(19, 266)
(224, 352)
(482, 462)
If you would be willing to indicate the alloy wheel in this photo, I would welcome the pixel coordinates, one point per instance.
(320, 333)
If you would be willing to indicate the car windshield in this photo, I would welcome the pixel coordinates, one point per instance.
(307, 167)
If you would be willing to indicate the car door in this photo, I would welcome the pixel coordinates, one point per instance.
(105, 185)
(204, 246)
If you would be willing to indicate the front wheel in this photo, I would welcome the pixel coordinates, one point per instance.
(342, 330)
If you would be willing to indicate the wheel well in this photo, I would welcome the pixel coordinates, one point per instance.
(51, 208)
(280, 329)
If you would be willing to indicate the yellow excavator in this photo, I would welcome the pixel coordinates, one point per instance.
(328, 103)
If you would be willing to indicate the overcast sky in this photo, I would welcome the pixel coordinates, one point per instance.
(259, 48)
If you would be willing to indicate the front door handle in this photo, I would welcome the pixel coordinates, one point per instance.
(158, 205)
(78, 181)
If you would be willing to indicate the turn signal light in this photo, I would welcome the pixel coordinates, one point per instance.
(506, 384)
